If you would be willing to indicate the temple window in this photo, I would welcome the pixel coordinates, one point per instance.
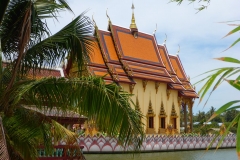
(150, 120)
(162, 122)
(173, 118)
(162, 119)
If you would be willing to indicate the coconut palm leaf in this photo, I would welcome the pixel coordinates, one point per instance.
(22, 27)
(210, 81)
(234, 83)
(26, 42)
(13, 24)
(228, 59)
(73, 40)
(3, 146)
(107, 105)
(223, 109)
(233, 31)
(3, 7)
(216, 78)
(104, 103)
(234, 122)
(27, 129)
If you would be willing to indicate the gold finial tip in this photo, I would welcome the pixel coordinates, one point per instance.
(133, 24)
(178, 50)
(165, 39)
(155, 29)
(133, 6)
(107, 15)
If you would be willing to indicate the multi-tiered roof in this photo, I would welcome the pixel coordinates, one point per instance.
(125, 54)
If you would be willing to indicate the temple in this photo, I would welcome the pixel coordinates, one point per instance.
(135, 61)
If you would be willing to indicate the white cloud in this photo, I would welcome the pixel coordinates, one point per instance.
(199, 35)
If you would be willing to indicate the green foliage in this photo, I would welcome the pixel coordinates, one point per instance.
(29, 45)
(203, 3)
(216, 77)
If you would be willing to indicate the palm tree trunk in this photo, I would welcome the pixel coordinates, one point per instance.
(3, 146)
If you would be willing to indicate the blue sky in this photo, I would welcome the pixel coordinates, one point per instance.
(199, 35)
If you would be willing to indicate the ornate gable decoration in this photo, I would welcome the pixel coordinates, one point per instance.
(162, 111)
(137, 107)
(173, 112)
(150, 110)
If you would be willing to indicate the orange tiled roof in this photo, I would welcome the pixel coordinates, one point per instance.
(100, 72)
(176, 86)
(114, 66)
(177, 66)
(165, 57)
(44, 73)
(40, 73)
(189, 94)
(185, 88)
(108, 47)
(127, 57)
(97, 65)
(139, 56)
(96, 55)
(152, 77)
(141, 49)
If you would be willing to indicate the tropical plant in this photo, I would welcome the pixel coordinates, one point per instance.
(28, 46)
(226, 74)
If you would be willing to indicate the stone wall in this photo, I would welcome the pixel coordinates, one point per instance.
(155, 143)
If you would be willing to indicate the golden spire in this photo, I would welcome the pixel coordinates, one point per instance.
(133, 24)
(95, 24)
(178, 50)
(108, 16)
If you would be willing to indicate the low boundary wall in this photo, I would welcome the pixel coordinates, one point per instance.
(155, 143)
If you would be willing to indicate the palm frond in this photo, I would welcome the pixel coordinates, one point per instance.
(74, 40)
(27, 129)
(216, 77)
(50, 9)
(3, 145)
(223, 109)
(3, 7)
(91, 97)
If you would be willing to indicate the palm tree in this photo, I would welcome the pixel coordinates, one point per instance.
(29, 46)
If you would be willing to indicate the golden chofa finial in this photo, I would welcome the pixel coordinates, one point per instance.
(108, 16)
(178, 50)
(165, 39)
(133, 24)
(155, 29)
(94, 21)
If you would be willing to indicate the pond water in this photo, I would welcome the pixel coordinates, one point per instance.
(220, 154)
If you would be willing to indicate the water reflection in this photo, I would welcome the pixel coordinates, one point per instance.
(221, 154)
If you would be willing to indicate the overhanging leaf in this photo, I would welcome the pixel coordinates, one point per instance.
(223, 109)
(233, 44)
(234, 83)
(233, 31)
(228, 59)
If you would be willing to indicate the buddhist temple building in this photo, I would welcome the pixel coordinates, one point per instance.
(141, 66)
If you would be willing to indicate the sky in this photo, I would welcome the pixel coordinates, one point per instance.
(199, 35)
